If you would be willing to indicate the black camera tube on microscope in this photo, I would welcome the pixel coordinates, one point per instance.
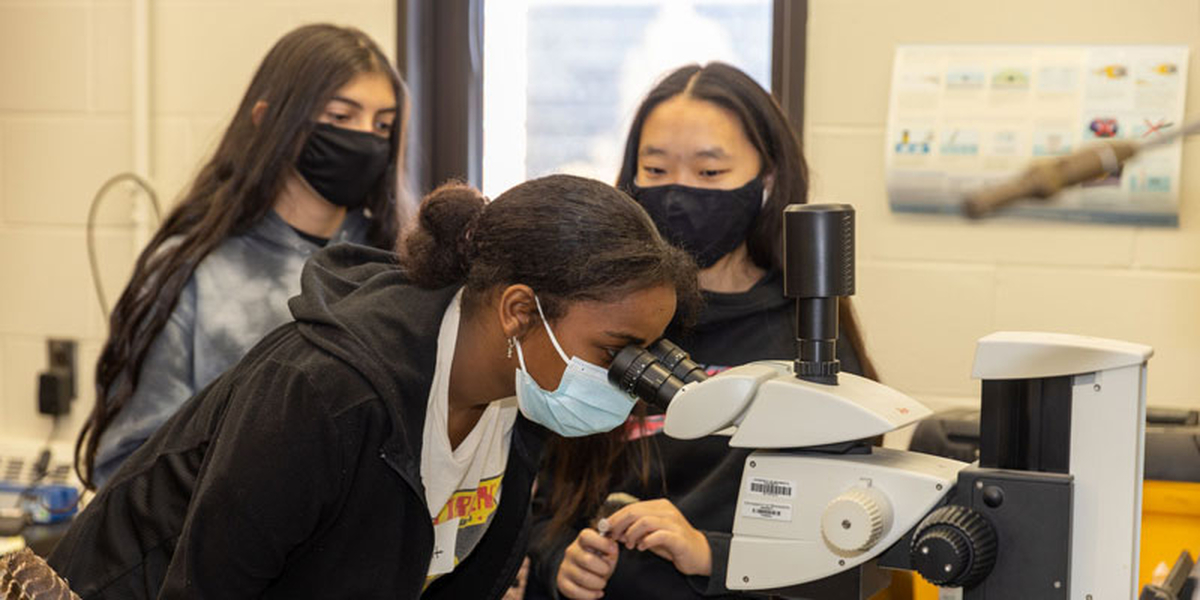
(818, 268)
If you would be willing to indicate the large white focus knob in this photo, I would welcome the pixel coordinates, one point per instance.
(856, 520)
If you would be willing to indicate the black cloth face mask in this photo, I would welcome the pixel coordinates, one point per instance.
(343, 165)
(707, 223)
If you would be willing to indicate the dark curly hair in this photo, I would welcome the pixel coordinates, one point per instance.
(569, 238)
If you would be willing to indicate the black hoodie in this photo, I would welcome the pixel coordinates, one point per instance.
(296, 473)
(701, 477)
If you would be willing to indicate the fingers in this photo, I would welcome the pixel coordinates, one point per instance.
(619, 521)
(513, 593)
(663, 543)
(568, 589)
(573, 577)
(658, 526)
(523, 574)
(644, 526)
(516, 591)
(592, 541)
(586, 566)
(590, 562)
(577, 581)
(689, 551)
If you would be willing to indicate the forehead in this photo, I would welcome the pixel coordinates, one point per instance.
(684, 123)
(642, 313)
(373, 89)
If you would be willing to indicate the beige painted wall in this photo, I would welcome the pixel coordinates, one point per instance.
(65, 107)
(929, 287)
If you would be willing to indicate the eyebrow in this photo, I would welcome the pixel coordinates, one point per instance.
(627, 337)
(713, 152)
(359, 105)
(353, 103)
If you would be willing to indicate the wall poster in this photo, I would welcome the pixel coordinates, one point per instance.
(961, 117)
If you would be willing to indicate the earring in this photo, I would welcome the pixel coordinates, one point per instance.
(511, 344)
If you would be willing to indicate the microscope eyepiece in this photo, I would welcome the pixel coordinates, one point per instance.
(655, 374)
(677, 361)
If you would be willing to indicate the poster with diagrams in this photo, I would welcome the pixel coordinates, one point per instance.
(963, 117)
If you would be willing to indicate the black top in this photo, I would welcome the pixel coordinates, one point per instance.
(701, 477)
(317, 240)
(758, 324)
(296, 473)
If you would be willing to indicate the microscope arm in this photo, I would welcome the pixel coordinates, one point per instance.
(706, 407)
(771, 408)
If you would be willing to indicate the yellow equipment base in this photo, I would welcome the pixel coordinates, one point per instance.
(1170, 525)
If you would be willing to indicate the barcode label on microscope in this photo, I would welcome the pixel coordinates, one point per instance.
(766, 510)
(775, 488)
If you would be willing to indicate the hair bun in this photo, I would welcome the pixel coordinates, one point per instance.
(436, 253)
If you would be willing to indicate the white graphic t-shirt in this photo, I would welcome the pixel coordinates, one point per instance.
(462, 485)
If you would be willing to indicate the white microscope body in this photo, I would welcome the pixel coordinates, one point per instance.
(803, 516)
(1050, 511)
(808, 509)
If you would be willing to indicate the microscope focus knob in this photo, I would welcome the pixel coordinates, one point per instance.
(954, 547)
(856, 520)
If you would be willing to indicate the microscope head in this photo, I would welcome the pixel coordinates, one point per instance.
(773, 408)
(780, 404)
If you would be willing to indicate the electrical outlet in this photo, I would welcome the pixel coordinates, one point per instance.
(56, 385)
(62, 356)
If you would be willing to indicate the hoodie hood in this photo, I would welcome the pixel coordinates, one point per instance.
(357, 304)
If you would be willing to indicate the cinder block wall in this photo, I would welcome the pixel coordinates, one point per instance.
(929, 287)
(65, 127)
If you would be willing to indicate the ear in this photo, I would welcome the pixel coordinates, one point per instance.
(518, 310)
(257, 112)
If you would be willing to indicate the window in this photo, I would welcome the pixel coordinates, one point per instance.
(562, 78)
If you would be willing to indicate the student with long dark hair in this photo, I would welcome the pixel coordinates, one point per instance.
(713, 160)
(384, 444)
(311, 157)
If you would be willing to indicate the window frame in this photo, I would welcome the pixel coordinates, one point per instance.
(439, 52)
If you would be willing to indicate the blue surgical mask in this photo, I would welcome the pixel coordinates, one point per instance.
(584, 403)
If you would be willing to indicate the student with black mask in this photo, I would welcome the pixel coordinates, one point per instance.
(711, 158)
(310, 157)
(384, 444)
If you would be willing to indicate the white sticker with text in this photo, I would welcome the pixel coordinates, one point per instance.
(774, 488)
(767, 510)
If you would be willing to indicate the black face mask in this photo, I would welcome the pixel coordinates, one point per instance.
(707, 223)
(343, 165)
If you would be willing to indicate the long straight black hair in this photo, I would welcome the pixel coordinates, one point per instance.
(772, 136)
(233, 191)
(583, 469)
